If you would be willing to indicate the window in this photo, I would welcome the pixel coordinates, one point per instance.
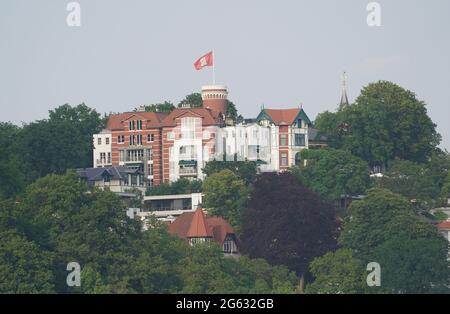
(150, 169)
(121, 155)
(150, 138)
(299, 123)
(132, 140)
(99, 141)
(284, 160)
(139, 139)
(299, 139)
(131, 125)
(149, 153)
(139, 124)
(107, 140)
(109, 158)
(121, 139)
(283, 140)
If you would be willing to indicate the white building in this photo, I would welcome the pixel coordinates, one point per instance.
(102, 149)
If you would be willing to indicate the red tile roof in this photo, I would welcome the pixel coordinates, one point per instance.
(209, 117)
(199, 228)
(444, 225)
(152, 119)
(196, 224)
(283, 116)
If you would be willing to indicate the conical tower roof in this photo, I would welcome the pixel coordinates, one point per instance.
(199, 227)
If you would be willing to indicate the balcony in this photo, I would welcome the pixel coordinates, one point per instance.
(104, 162)
(134, 159)
(188, 171)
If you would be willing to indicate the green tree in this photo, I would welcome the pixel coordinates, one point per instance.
(385, 122)
(12, 178)
(385, 228)
(337, 273)
(333, 173)
(24, 266)
(379, 217)
(244, 170)
(413, 265)
(287, 224)
(62, 142)
(412, 180)
(226, 196)
(181, 186)
(166, 107)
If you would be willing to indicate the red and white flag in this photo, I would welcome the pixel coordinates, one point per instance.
(204, 61)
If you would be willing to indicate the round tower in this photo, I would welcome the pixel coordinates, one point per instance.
(215, 98)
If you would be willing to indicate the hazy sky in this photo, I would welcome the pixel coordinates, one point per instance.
(276, 53)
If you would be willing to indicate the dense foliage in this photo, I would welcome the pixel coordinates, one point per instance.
(385, 122)
(286, 223)
(58, 222)
(333, 173)
(226, 196)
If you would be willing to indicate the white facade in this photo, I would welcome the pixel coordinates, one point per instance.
(102, 149)
(250, 142)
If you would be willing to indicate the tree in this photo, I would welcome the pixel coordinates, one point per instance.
(62, 142)
(166, 107)
(181, 186)
(333, 173)
(385, 228)
(244, 170)
(194, 100)
(12, 178)
(413, 265)
(337, 273)
(385, 122)
(225, 196)
(380, 216)
(286, 223)
(24, 266)
(412, 180)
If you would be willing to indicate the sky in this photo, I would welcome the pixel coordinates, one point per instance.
(279, 54)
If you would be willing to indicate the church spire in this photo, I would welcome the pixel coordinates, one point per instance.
(344, 98)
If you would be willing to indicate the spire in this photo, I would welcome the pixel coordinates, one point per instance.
(344, 98)
(199, 227)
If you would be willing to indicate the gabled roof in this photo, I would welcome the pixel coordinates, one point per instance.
(196, 224)
(208, 117)
(283, 116)
(445, 225)
(153, 119)
(115, 173)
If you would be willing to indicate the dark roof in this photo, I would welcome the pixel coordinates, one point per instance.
(115, 173)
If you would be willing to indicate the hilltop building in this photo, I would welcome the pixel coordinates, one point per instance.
(166, 147)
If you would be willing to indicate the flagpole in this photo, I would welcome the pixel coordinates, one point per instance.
(214, 68)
